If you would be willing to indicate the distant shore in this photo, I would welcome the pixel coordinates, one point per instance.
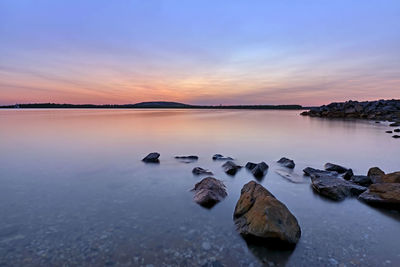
(160, 104)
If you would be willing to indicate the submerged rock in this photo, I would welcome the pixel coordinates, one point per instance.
(231, 167)
(384, 194)
(292, 177)
(209, 192)
(288, 163)
(260, 217)
(334, 167)
(152, 157)
(335, 188)
(201, 171)
(221, 157)
(257, 169)
(311, 171)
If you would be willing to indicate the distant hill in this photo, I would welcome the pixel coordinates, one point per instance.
(155, 104)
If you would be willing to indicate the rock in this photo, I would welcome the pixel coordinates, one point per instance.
(388, 132)
(260, 217)
(311, 171)
(348, 174)
(201, 171)
(230, 167)
(396, 130)
(335, 168)
(285, 162)
(187, 157)
(396, 136)
(335, 188)
(394, 124)
(209, 192)
(292, 177)
(375, 174)
(152, 157)
(361, 180)
(384, 194)
(393, 177)
(221, 157)
(258, 170)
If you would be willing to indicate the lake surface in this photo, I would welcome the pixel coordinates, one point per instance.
(73, 189)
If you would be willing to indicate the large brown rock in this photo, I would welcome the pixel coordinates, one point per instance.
(260, 217)
(209, 192)
(375, 174)
(393, 177)
(383, 194)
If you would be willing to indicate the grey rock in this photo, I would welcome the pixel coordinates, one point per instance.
(348, 174)
(187, 157)
(230, 167)
(311, 171)
(201, 171)
(288, 163)
(209, 192)
(152, 157)
(221, 157)
(361, 180)
(257, 169)
(334, 167)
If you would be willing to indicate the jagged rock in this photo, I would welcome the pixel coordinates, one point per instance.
(260, 217)
(221, 157)
(335, 168)
(292, 177)
(310, 171)
(230, 167)
(201, 171)
(288, 163)
(335, 188)
(152, 157)
(375, 174)
(258, 170)
(209, 192)
(361, 180)
(384, 194)
(348, 174)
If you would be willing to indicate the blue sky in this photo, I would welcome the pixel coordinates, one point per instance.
(200, 52)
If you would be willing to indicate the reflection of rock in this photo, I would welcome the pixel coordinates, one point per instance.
(152, 157)
(230, 167)
(187, 159)
(285, 162)
(260, 217)
(209, 192)
(384, 194)
(258, 170)
(335, 168)
(201, 171)
(221, 157)
(311, 171)
(335, 188)
(292, 177)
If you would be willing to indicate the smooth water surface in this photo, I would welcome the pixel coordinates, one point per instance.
(73, 189)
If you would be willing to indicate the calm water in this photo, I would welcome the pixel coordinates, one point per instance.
(73, 190)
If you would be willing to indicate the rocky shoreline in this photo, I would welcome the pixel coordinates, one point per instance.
(261, 218)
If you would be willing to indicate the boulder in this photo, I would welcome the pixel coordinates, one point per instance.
(375, 174)
(335, 188)
(201, 171)
(209, 192)
(348, 174)
(384, 194)
(334, 167)
(393, 177)
(311, 171)
(231, 167)
(260, 217)
(361, 180)
(258, 170)
(285, 162)
(221, 157)
(152, 158)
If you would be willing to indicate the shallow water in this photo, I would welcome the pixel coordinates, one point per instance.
(73, 189)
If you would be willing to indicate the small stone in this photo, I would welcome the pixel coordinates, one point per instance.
(152, 158)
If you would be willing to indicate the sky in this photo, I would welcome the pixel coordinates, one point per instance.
(199, 52)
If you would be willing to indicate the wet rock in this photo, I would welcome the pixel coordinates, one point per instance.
(335, 188)
(152, 157)
(335, 168)
(209, 192)
(258, 170)
(348, 174)
(260, 217)
(292, 177)
(231, 167)
(375, 174)
(384, 194)
(311, 171)
(361, 180)
(288, 163)
(201, 171)
(221, 157)
(396, 136)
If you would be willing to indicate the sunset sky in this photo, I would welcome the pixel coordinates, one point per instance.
(199, 52)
